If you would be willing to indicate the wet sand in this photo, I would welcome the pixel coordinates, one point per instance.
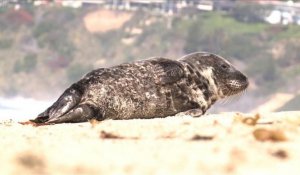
(212, 144)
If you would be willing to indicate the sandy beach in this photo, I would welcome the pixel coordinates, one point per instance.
(212, 144)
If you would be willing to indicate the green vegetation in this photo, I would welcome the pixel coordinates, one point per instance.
(288, 32)
(75, 72)
(5, 43)
(28, 64)
(223, 34)
(53, 33)
(266, 73)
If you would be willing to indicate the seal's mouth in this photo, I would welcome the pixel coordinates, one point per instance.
(236, 86)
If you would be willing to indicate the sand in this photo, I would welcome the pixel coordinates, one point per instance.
(212, 144)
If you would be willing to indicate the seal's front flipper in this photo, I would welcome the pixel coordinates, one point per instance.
(80, 113)
(192, 112)
(167, 71)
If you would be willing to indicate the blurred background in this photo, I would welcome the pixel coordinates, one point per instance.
(47, 45)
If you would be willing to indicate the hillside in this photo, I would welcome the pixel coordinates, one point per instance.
(44, 49)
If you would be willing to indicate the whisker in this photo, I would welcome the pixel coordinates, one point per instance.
(239, 95)
(222, 101)
(232, 98)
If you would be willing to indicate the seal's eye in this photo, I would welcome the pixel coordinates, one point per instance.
(225, 66)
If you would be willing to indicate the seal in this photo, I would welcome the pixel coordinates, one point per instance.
(155, 87)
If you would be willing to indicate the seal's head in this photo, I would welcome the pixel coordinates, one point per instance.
(223, 78)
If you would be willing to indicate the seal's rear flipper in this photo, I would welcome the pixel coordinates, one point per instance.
(67, 101)
(80, 113)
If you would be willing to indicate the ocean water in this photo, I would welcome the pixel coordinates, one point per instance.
(20, 108)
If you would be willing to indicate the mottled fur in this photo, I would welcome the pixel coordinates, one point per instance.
(156, 87)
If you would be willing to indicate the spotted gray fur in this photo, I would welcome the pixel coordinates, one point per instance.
(156, 87)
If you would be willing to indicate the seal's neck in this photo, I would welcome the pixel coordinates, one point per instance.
(205, 76)
(208, 74)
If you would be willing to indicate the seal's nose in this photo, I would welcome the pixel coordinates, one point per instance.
(244, 80)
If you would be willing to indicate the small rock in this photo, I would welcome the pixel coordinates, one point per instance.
(262, 134)
(199, 137)
(282, 154)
